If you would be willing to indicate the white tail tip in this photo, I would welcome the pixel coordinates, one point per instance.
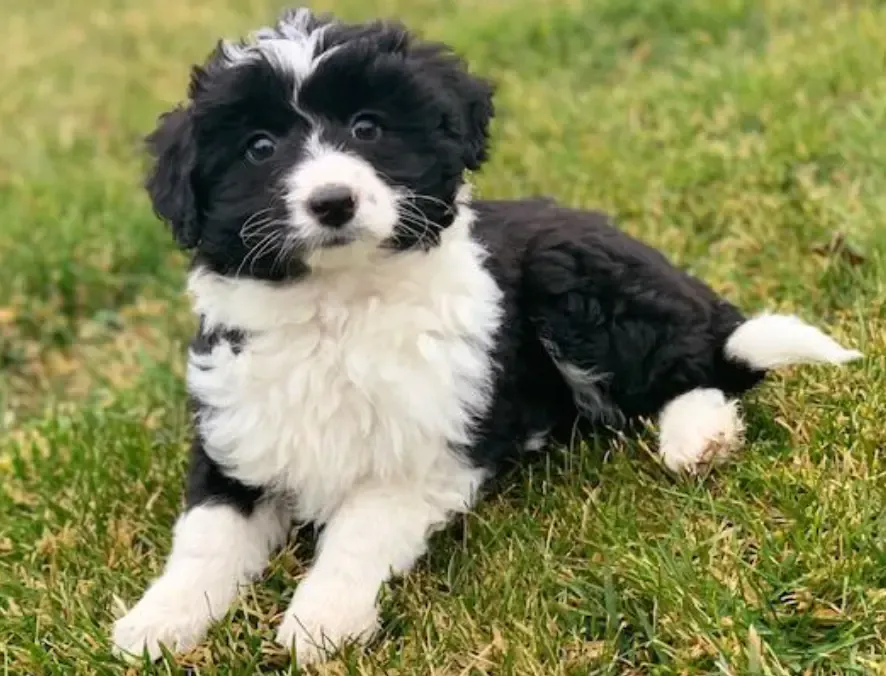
(770, 341)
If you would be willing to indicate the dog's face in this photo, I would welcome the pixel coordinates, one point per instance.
(316, 134)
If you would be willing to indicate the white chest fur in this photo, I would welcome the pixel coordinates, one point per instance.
(369, 369)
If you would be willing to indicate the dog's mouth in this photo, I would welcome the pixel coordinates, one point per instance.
(333, 240)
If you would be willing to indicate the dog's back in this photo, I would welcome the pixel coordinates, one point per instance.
(629, 331)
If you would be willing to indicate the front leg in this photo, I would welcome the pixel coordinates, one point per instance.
(379, 531)
(223, 539)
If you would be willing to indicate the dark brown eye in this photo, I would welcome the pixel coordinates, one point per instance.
(260, 147)
(366, 129)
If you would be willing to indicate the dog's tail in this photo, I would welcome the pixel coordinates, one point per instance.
(770, 341)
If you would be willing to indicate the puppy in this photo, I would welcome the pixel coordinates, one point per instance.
(374, 346)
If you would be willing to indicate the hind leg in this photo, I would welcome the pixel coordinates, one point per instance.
(699, 429)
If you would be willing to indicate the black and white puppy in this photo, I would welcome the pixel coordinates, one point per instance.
(374, 346)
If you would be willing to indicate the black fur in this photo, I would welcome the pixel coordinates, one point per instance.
(207, 483)
(204, 341)
(171, 182)
(579, 292)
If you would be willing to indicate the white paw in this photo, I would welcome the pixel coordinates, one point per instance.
(154, 621)
(324, 617)
(699, 429)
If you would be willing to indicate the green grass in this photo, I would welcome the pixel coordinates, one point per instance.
(740, 136)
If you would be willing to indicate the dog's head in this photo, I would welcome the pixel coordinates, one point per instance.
(316, 134)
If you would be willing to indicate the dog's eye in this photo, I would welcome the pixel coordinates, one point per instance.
(260, 148)
(365, 128)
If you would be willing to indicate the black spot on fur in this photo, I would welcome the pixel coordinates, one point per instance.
(204, 341)
(208, 483)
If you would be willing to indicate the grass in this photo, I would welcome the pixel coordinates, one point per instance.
(740, 136)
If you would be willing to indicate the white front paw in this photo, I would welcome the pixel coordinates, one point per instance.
(146, 628)
(323, 618)
(150, 624)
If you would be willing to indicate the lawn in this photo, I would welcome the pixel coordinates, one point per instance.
(746, 138)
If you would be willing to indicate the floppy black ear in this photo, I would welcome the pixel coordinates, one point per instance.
(471, 97)
(170, 182)
(476, 95)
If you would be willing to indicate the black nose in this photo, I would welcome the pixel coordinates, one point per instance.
(333, 205)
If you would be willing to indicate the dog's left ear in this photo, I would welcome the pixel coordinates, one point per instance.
(470, 97)
(475, 96)
(170, 183)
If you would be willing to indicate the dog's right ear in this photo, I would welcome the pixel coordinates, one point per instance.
(170, 182)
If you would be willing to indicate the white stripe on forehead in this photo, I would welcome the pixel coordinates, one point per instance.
(293, 45)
